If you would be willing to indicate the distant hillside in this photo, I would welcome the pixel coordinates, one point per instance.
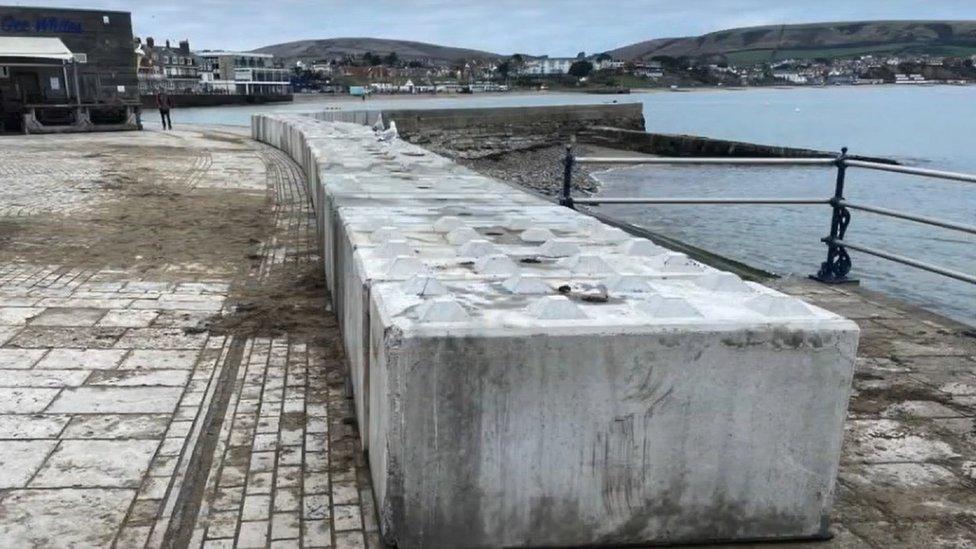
(311, 50)
(829, 40)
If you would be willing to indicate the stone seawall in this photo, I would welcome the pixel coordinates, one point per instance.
(525, 375)
(478, 133)
(662, 144)
(495, 132)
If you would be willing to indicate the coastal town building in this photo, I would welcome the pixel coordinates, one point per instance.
(545, 66)
(169, 69)
(548, 65)
(792, 77)
(648, 70)
(181, 71)
(321, 68)
(245, 73)
(609, 64)
(910, 79)
(66, 70)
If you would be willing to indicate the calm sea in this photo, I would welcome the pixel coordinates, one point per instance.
(932, 127)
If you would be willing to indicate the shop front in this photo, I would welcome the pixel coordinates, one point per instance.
(66, 71)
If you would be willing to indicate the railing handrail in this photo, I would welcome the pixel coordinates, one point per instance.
(951, 273)
(838, 264)
(693, 200)
(962, 227)
(741, 160)
(760, 161)
(923, 172)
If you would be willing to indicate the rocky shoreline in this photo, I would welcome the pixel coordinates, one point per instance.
(539, 169)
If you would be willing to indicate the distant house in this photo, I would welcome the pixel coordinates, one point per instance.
(910, 79)
(792, 77)
(653, 69)
(545, 66)
(447, 87)
(322, 68)
(165, 68)
(608, 64)
(840, 79)
(382, 87)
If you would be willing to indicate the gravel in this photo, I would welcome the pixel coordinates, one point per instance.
(539, 169)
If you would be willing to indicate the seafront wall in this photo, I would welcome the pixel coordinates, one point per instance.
(662, 144)
(472, 133)
(525, 375)
(476, 133)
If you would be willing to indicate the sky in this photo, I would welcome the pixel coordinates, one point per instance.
(553, 27)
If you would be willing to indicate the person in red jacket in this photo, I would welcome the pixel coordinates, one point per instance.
(164, 104)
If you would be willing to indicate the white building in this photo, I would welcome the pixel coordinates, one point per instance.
(649, 70)
(790, 76)
(608, 64)
(245, 73)
(910, 79)
(548, 65)
(560, 65)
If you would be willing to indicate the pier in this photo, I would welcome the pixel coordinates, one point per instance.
(175, 374)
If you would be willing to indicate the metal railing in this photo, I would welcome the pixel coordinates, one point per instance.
(837, 266)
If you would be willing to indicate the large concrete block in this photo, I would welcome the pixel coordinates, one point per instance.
(542, 421)
(418, 251)
(525, 375)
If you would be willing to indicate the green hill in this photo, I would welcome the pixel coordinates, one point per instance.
(312, 50)
(827, 40)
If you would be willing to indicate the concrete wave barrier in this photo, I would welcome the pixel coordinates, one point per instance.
(527, 376)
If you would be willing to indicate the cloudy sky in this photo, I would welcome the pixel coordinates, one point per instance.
(554, 27)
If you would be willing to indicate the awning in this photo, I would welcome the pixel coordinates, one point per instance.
(34, 48)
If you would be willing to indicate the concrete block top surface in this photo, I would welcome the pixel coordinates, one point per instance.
(406, 213)
(519, 304)
(530, 376)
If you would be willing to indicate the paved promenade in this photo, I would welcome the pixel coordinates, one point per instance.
(171, 374)
(160, 382)
(908, 472)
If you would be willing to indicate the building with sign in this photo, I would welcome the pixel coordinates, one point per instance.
(66, 70)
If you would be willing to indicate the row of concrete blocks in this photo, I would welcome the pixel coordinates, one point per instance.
(527, 376)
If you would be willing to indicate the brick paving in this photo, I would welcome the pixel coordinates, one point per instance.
(288, 470)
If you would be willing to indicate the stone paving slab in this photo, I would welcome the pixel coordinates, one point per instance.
(99, 385)
(907, 473)
(108, 387)
(87, 422)
(69, 517)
